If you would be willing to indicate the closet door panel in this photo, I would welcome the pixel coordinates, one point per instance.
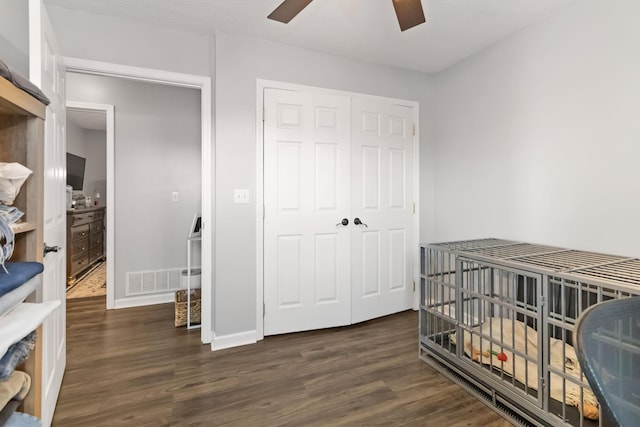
(382, 176)
(306, 191)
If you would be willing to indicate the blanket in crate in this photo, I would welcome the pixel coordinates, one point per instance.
(524, 338)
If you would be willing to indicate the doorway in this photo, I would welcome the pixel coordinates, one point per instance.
(91, 136)
(338, 221)
(205, 161)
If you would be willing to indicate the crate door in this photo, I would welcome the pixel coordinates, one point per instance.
(500, 322)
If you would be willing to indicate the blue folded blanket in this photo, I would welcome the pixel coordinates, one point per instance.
(16, 354)
(17, 273)
(10, 214)
(20, 419)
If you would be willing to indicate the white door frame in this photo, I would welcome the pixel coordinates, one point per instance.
(203, 84)
(264, 84)
(110, 153)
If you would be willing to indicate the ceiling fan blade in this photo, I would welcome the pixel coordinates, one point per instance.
(288, 9)
(409, 13)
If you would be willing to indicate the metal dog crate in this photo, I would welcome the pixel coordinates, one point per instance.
(490, 298)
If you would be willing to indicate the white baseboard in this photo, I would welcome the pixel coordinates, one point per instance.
(220, 342)
(142, 300)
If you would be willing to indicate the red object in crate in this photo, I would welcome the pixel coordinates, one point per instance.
(501, 356)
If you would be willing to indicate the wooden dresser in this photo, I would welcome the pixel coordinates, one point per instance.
(85, 240)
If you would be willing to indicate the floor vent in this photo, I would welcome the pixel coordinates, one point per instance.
(152, 282)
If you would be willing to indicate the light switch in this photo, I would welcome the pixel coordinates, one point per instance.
(241, 196)
(175, 197)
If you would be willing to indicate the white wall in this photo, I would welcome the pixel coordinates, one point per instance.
(157, 151)
(239, 62)
(14, 35)
(103, 38)
(537, 138)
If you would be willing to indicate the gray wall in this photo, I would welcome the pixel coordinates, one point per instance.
(90, 144)
(107, 39)
(239, 62)
(76, 140)
(14, 35)
(95, 177)
(538, 136)
(157, 151)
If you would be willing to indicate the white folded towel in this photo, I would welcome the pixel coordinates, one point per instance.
(22, 320)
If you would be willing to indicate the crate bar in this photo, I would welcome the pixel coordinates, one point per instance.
(615, 263)
(469, 244)
(569, 260)
(515, 251)
(524, 408)
(611, 286)
(626, 272)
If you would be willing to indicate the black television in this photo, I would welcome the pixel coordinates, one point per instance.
(75, 171)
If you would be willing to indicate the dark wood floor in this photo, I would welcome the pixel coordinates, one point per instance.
(131, 367)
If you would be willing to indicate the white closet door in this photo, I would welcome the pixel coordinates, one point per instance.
(307, 193)
(382, 198)
(47, 71)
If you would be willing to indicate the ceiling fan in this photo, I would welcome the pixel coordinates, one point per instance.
(409, 12)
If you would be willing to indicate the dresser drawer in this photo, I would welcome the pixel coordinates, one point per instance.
(80, 246)
(79, 262)
(83, 218)
(96, 228)
(95, 254)
(79, 232)
(96, 241)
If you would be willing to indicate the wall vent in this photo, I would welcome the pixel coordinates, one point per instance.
(153, 282)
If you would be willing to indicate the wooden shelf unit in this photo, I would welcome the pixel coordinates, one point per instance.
(22, 140)
(23, 227)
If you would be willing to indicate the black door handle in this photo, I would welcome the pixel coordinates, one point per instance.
(357, 221)
(344, 221)
(48, 249)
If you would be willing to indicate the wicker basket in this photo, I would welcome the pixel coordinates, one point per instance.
(181, 307)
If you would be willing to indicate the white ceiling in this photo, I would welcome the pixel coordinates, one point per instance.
(85, 119)
(362, 29)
